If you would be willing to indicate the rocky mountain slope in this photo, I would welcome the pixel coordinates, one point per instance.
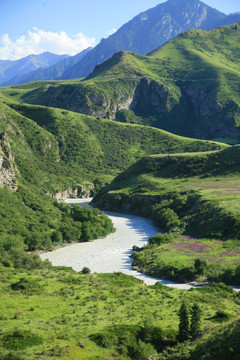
(151, 29)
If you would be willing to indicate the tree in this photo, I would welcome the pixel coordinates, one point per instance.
(142, 351)
(195, 320)
(85, 270)
(184, 331)
(200, 266)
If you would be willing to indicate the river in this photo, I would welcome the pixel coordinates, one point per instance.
(111, 254)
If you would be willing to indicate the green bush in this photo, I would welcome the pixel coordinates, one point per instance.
(27, 286)
(160, 239)
(86, 270)
(20, 339)
(166, 218)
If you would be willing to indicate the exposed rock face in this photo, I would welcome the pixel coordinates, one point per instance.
(79, 192)
(81, 100)
(7, 171)
(150, 97)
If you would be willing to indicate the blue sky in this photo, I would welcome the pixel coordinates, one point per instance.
(69, 26)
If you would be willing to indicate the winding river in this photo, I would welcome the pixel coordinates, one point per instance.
(111, 254)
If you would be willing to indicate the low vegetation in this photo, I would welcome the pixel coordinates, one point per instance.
(190, 190)
(188, 197)
(189, 86)
(90, 317)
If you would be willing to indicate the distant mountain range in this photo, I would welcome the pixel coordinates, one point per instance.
(143, 34)
(10, 69)
(47, 73)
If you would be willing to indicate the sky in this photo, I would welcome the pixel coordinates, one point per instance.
(70, 26)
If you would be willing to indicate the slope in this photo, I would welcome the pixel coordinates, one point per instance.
(189, 86)
(222, 343)
(151, 29)
(45, 151)
(194, 198)
(119, 316)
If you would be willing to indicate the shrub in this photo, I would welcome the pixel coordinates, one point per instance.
(200, 266)
(86, 270)
(160, 239)
(26, 286)
(20, 339)
(166, 218)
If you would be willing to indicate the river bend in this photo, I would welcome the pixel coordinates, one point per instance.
(111, 254)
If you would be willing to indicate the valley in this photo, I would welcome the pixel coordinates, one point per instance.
(149, 131)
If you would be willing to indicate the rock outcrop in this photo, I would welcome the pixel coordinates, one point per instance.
(7, 170)
(79, 192)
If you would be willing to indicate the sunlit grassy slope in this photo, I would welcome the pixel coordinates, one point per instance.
(189, 86)
(214, 175)
(52, 150)
(196, 198)
(55, 313)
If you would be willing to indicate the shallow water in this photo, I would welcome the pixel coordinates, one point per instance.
(111, 254)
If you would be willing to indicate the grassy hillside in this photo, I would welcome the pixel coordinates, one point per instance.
(220, 344)
(195, 199)
(189, 86)
(92, 147)
(60, 314)
(48, 151)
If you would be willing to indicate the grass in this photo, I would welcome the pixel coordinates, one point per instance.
(213, 175)
(189, 86)
(176, 260)
(70, 307)
(192, 195)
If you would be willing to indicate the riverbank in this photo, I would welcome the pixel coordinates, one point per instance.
(112, 254)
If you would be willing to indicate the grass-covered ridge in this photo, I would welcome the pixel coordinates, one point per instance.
(83, 147)
(189, 86)
(195, 199)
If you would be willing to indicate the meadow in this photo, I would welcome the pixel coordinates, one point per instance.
(60, 314)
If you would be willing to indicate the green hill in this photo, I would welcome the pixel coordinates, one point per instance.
(194, 198)
(46, 151)
(189, 86)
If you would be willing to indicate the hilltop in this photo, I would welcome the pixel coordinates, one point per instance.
(142, 34)
(189, 86)
(151, 29)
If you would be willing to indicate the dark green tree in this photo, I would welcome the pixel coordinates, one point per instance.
(196, 314)
(200, 266)
(184, 329)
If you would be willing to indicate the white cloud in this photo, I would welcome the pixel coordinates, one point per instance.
(37, 41)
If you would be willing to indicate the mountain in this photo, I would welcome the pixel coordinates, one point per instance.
(151, 29)
(50, 72)
(10, 69)
(189, 86)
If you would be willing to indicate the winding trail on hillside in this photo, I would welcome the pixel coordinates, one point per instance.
(111, 254)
